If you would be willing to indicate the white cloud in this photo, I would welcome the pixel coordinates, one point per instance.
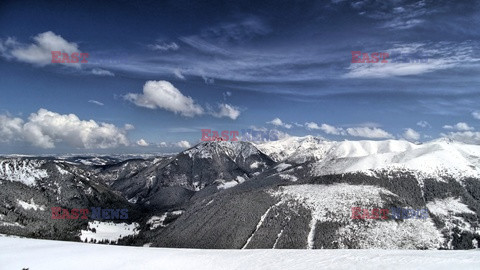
(162, 144)
(461, 126)
(332, 130)
(40, 52)
(142, 142)
(311, 125)
(208, 80)
(363, 131)
(178, 73)
(183, 144)
(476, 115)
(423, 124)
(367, 132)
(435, 56)
(162, 94)
(227, 110)
(411, 135)
(279, 123)
(325, 128)
(102, 72)
(128, 127)
(10, 128)
(465, 136)
(45, 129)
(164, 46)
(383, 70)
(96, 102)
(226, 94)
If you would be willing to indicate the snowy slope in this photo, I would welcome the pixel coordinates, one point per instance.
(296, 149)
(431, 159)
(332, 203)
(22, 170)
(17, 253)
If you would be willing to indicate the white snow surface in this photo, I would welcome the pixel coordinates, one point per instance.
(108, 231)
(334, 203)
(31, 205)
(234, 150)
(431, 159)
(448, 205)
(22, 170)
(19, 253)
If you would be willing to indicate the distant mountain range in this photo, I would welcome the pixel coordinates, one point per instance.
(297, 192)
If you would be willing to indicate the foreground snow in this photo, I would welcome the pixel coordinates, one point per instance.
(19, 253)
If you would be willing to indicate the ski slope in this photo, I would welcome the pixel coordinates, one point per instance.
(34, 254)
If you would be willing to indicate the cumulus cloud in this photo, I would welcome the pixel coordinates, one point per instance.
(363, 131)
(183, 144)
(128, 127)
(45, 129)
(96, 102)
(411, 135)
(226, 110)
(311, 125)
(163, 95)
(102, 72)
(423, 124)
(461, 126)
(142, 142)
(279, 123)
(476, 115)
(162, 144)
(10, 128)
(40, 51)
(368, 132)
(332, 130)
(325, 128)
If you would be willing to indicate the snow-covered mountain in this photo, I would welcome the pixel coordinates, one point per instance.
(293, 193)
(30, 186)
(432, 159)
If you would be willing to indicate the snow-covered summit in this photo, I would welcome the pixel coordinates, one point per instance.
(434, 158)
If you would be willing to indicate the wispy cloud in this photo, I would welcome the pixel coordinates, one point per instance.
(102, 72)
(163, 46)
(178, 73)
(423, 124)
(417, 59)
(96, 102)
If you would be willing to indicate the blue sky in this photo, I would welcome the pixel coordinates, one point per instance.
(160, 71)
